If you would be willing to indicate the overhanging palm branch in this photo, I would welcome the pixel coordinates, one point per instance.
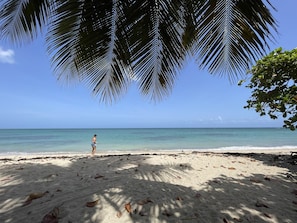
(108, 44)
(232, 35)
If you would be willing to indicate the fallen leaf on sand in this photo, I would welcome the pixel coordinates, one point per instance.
(179, 198)
(51, 176)
(144, 201)
(128, 208)
(34, 196)
(49, 219)
(141, 213)
(167, 213)
(52, 216)
(255, 180)
(231, 168)
(198, 195)
(216, 181)
(261, 204)
(225, 220)
(98, 176)
(92, 203)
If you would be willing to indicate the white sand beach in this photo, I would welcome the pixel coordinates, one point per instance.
(207, 187)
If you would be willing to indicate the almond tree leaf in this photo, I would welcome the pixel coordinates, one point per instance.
(149, 200)
(144, 201)
(128, 207)
(52, 216)
(225, 220)
(98, 176)
(48, 218)
(33, 196)
(55, 212)
(92, 203)
(261, 204)
(255, 180)
(179, 198)
(198, 195)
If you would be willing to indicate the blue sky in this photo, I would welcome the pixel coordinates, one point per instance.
(31, 97)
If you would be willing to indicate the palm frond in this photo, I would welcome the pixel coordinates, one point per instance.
(62, 39)
(107, 44)
(84, 43)
(232, 35)
(22, 20)
(157, 52)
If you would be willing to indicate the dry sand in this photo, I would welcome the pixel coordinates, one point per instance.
(210, 187)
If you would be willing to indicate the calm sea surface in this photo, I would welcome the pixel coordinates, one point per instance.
(79, 140)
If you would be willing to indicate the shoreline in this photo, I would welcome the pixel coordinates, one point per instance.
(150, 186)
(13, 156)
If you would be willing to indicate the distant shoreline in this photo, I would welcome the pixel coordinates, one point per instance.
(62, 155)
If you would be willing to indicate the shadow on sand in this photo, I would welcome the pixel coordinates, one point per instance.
(121, 179)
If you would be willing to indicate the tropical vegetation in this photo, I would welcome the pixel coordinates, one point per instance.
(274, 86)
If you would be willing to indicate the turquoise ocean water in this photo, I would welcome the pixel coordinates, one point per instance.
(24, 141)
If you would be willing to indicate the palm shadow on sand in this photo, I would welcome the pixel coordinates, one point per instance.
(155, 193)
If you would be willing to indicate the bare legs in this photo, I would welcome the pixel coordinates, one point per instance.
(93, 150)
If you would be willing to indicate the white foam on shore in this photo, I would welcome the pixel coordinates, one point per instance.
(244, 149)
(251, 148)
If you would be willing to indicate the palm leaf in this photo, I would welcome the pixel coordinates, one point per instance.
(107, 44)
(232, 35)
(157, 52)
(83, 42)
(22, 20)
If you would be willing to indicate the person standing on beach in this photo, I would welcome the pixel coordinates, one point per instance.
(94, 144)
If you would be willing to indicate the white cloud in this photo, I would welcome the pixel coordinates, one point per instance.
(6, 56)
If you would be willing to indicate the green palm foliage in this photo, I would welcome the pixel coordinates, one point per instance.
(108, 44)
